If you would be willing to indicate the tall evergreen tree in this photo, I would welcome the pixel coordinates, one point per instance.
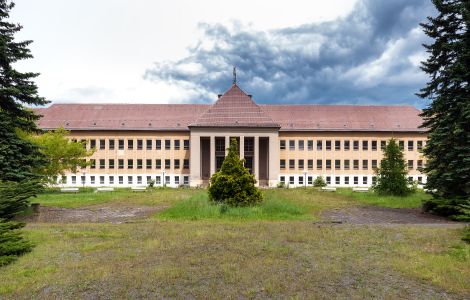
(19, 158)
(447, 118)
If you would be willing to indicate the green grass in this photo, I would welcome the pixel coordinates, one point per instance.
(370, 198)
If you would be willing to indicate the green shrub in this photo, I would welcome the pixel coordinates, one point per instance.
(14, 197)
(151, 183)
(12, 243)
(457, 209)
(233, 184)
(281, 185)
(319, 182)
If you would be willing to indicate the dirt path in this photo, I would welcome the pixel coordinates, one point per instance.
(98, 214)
(380, 215)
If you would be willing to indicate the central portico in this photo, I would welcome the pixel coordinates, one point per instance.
(234, 115)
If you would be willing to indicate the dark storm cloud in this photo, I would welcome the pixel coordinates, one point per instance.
(370, 56)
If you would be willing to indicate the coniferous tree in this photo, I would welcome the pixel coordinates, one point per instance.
(233, 184)
(19, 158)
(447, 118)
(391, 176)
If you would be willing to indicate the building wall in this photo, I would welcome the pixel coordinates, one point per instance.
(333, 154)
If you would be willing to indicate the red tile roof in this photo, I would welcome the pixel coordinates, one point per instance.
(234, 109)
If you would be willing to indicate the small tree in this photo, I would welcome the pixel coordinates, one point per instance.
(319, 182)
(233, 184)
(391, 176)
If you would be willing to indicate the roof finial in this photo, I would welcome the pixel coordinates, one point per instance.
(234, 75)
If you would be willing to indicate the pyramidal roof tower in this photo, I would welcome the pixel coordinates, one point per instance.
(234, 109)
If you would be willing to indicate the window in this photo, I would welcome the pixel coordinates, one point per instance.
(365, 145)
(374, 180)
(130, 163)
(337, 145)
(158, 144)
(111, 179)
(337, 164)
(186, 164)
(92, 179)
(177, 180)
(148, 163)
(282, 179)
(410, 179)
(364, 180)
(310, 180)
(365, 164)
(328, 180)
(420, 165)
(186, 180)
(149, 178)
(167, 163)
(346, 164)
(102, 144)
(282, 164)
(328, 145)
(158, 180)
(355, 145)
(121, 163)
(337, 180)
(356, 180)
(130, 144)
(310, 164)
(149, 145)
(83, 178)
(402, 145)
(374, 164)
(167, 180)
(346, 180)
(139, 179)
(121, 179)
(140, 144)
(420, 180)
(101, 179)
(186, 147)
(301, 164)
(177, 164)
(102, 163)
(410, 164)
(419, 145)
(121, 144)
(319, 145)
(249, 145)
(301, 180)
(319, 164)
(219, 144)
(129, 179)
(383, 144)
(64, 179)
(167, 144)
(291, 163)
(291, 145)
(92, 144)
(177, 144)
(346, 145)
(374, 145)
(328, 164)
(356, 164)
(310, 145)
(158, 164)
(111, 144)
(410, 146)
(282, 144)
(301, 145)
(291, 180)
(92, 163)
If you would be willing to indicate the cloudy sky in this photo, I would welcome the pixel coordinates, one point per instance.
(180, 51)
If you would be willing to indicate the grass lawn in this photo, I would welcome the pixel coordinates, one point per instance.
(412, 201)
(194, 250)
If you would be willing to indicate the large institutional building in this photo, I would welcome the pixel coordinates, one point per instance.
(184, 144)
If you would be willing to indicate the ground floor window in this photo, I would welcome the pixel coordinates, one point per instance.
(346, 180)
(92, 179)
(328, 179)
(129, 179)
(374, 180)
(301, 180)
(177, 180)
(121, 179)
(337, 180)
(186, 180)
(167, 180)
(420, 179)
(74, 179)
(158, 180)
(356, 180)
(364, 180)
(139, 179)
(309, 180)
(282, 179)
(111, 179)
(101, 179)
(291, 180)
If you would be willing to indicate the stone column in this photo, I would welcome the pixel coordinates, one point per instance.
(242, 147)
(256, 158)
(194, 161)
(227, 144)
(212, 138)
(273, 163)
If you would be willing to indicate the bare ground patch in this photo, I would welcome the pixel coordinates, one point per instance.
(95, 214)
(381, 215)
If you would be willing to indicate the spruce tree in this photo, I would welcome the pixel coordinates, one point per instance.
(391, 176)
(233, 184)
(447, 117)
(19, 158)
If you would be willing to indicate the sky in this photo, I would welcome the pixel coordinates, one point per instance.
(183, 51)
